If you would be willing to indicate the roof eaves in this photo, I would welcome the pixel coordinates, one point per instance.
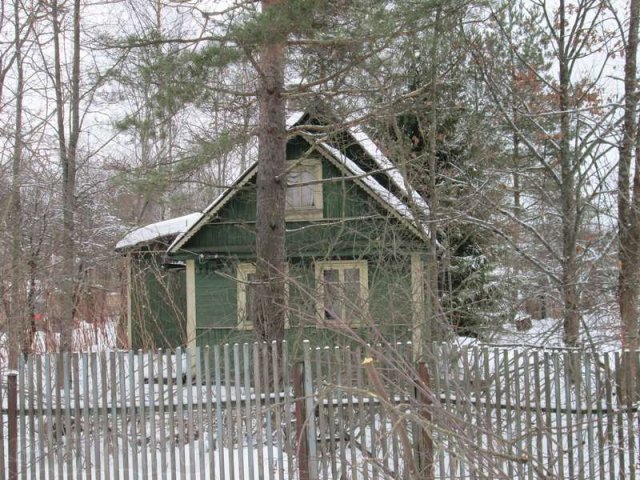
(213, 208)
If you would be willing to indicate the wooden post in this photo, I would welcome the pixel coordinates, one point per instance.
(419, 314)
(425, 444)
(12, 387)
(301, 418)
(191, 310)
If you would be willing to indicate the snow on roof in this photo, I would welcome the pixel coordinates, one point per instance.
(384, 163)
(294, 118)
(378, 190)
(165, 228)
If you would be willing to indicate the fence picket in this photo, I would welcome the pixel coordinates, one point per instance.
(113, 425)
(288, 409)
(278, 399)
(246, 362)
(589, 400)
(41, 421)
(87, 420)
(22, 427)
(229, 411)
(152, 378)
(191, 429)
(238, 409)
(200, 414)
(219, 407)
(162, 417)
(210, 422)
(622, 450)
(179, 411)
(143, 414)
(310, 408)
(77, 414)
(32, 416)
(631, 425)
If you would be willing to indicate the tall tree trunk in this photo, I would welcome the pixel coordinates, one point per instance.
(629, 203)
(68, 156)
(437, 330)
(571, 313)
(269, 316)
(17, 313)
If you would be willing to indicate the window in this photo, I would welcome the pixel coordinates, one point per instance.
(342, 290)
(304, 192)
(246, 295)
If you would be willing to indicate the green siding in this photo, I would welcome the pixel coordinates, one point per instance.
(389, 304)
(354, 224)
(216, 295)
(158, 304)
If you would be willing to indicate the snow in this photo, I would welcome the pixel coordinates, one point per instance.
(294, 118)
(599, 333)
(378, 190)
(165, 228)
(384, 163)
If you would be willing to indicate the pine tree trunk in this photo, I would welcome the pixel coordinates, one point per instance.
(269, 315)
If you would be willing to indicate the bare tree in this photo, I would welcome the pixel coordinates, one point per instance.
(17, 311)
(629, 197)
(68, 152)
(562, 127)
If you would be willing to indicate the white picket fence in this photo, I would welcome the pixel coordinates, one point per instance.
(251, 411)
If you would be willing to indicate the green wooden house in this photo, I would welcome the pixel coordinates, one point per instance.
(355, 244)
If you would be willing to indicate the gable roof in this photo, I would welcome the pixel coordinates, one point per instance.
(397, 206)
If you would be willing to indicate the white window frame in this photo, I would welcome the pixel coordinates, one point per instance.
(242, 280)
(304, 213)
(341, 266)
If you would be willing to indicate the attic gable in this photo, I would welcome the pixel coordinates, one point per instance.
(384, 182)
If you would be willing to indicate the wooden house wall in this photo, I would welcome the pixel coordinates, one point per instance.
(158, 303)
(353, 224)
(389, 303)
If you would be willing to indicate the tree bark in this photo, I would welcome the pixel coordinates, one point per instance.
(68, 157)
(270, 308)
(629, 204)
(571, 314)
(437, 330)
(17, 313)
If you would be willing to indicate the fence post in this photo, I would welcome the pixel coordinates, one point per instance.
(12, 387)
(425, 444)
(301, 418)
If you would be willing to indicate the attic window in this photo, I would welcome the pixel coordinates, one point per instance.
(304, 191)
(342, 291)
